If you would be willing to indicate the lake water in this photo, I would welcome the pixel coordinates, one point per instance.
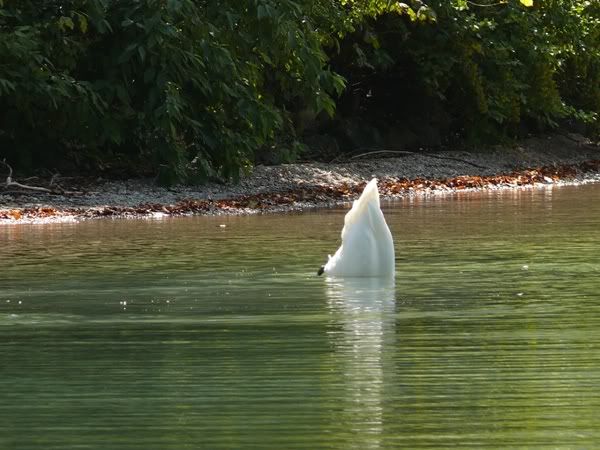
(184, 333)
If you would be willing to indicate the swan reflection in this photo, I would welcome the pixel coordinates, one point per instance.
(363, 317)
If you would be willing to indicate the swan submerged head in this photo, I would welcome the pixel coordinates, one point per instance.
(367, 248)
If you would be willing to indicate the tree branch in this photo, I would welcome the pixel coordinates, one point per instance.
(10, 183)
(404, 152)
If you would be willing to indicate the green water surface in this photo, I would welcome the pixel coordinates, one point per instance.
(216, 333)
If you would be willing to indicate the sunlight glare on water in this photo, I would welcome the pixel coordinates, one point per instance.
(184, 333)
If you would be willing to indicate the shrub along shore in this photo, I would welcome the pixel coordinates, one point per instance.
(196, 91)
(537, 162)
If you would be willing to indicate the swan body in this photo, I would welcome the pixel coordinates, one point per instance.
(367, 248)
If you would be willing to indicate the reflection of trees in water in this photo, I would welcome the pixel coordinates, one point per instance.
(364, 308)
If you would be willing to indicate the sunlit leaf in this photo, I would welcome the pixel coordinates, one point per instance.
(83, 23)
(65, 22)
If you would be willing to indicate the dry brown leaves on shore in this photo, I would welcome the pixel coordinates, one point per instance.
(311, 195)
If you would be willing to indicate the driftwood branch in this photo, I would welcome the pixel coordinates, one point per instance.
(405, 152)
(9, 183)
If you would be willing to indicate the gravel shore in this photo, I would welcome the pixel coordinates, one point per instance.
(555, 150)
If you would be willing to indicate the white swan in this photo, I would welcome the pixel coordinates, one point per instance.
(367, 248)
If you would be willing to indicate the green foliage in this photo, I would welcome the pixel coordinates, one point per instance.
(190, 89)
(494, 68)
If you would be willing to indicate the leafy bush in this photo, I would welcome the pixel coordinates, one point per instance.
(193, 88)
(481, 70)
(189, 89)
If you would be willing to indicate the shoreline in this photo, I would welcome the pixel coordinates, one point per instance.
(541, 161)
